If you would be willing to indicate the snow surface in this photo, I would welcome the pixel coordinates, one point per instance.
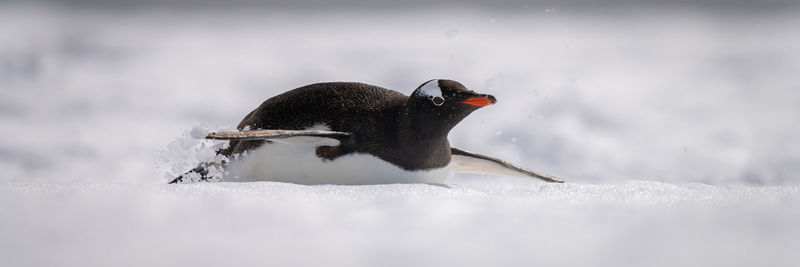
(266, 223)
(676, 130)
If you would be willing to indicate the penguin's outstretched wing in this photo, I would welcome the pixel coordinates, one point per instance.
(288, 136)
(465, 161)
(275, 134)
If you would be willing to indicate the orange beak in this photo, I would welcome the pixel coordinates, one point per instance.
(479, 101)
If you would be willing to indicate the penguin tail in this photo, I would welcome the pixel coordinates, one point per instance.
(204, 172)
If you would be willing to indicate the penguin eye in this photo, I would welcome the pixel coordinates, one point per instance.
(437, 100)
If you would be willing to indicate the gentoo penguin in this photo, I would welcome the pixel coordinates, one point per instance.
(355, 133)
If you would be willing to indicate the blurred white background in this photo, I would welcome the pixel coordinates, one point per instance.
(93, 92)
(97, 99)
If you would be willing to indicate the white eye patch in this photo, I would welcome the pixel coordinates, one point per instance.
(432, 91)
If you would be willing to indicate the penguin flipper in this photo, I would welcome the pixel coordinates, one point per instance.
(287, 136)
(470, 162)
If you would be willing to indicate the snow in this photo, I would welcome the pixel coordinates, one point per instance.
(675, 129)
(264, 223)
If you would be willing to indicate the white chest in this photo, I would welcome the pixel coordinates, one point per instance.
(296, 162)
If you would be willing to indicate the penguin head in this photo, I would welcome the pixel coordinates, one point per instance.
(449, 95)
(446, 102)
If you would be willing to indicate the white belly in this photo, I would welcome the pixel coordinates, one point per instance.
(297, 162)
